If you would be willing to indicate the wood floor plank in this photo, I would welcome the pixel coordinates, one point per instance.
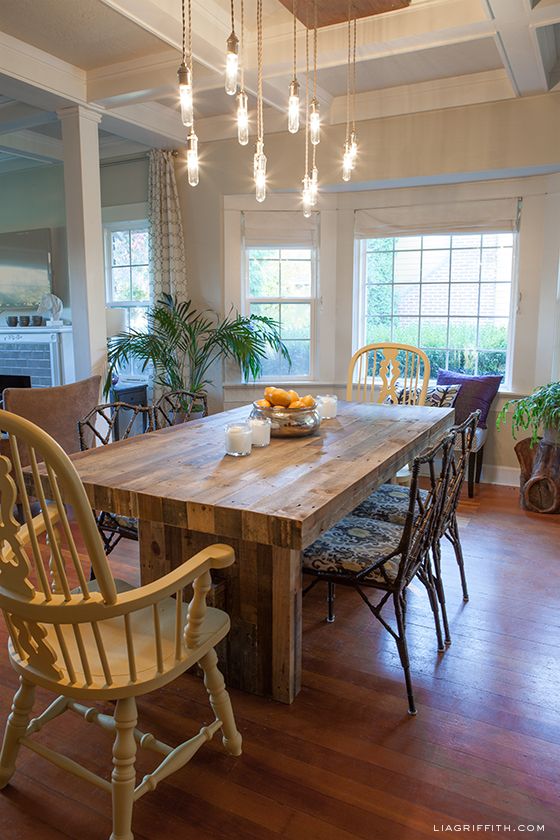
(345, 761)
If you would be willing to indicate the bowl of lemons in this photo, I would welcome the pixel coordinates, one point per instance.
(290, 415)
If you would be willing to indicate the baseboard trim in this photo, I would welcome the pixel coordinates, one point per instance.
(494, 474)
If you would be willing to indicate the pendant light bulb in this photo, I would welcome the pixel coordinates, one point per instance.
(306, 197)
(242, 118)
(314, 123)
(347, 163)
(185, 94)
(232, 64)
(314, 186)
(259, 170)
(192, 159)
(293, 107)
(353, 148)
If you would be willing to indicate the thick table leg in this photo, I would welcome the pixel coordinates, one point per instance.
(261, 593)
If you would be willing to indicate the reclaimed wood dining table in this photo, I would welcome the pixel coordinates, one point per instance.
(186, 494)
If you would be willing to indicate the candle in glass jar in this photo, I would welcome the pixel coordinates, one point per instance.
(260, 430)
(327, 406)
(238, 439)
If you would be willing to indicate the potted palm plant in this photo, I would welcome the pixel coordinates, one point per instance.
(182, 343)
(539, 458)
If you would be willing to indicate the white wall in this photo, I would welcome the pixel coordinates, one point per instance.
(446, 147)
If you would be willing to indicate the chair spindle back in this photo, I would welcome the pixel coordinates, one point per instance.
(394, 366)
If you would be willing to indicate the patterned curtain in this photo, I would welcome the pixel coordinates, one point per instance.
(167, 245)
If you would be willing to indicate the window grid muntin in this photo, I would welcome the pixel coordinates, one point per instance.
(311, 300)
(481, 247)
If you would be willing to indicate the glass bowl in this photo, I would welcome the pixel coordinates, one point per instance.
(289, 422)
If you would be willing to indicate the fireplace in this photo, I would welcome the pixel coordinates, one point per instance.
(43, 353)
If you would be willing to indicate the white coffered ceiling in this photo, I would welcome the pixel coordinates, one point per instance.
(121, 57)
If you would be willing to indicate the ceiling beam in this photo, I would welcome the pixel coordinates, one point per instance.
(518, 44)
(34, 146)
(17, 115)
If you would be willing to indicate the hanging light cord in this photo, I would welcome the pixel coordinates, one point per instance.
(348, 75)
(306, 100)
(232, 16)
(259, 71)
(242, 56)
(190, 33)
(294, 11)
(184, 30)
(315, 51)
(354, 78)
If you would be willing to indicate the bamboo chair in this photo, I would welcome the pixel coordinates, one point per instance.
(178, 407)
(97, 428)
(372, 555)
(395, 366)
(97, 644)
(390, 504)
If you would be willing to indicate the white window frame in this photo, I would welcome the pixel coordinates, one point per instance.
(360, 308)
(108, 229)
(312, 300)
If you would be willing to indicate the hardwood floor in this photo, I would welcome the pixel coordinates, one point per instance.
(345, 760)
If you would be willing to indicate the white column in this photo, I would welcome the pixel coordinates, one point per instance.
(82, 191)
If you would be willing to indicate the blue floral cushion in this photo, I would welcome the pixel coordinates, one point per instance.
(389, 503)
(353, 544)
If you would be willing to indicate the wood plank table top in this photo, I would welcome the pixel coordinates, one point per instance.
(285, 494)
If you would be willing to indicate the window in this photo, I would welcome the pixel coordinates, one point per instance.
(127, 272)
(449, 294)
(281, 284)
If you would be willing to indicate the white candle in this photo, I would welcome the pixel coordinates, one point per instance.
(327, 405)
(260, 430)
(238, 439)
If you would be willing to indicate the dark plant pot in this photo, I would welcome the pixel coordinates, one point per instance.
(551, 436)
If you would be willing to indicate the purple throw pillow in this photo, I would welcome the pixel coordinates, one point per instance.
(475, 392)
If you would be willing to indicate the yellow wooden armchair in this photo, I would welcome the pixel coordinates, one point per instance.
(401, 371)
(97, 643)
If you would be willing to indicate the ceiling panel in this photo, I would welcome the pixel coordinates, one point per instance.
(330, 12)
(83, 32)
(409, 68)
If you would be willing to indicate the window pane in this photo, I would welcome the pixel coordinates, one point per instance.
(493, 333)
(469, 240)
(435, 267)
(464, 299)
(271, 365)
(463, 361)
(495, 299)
(268, 310)
(264, 254)
(140, 282)
(120, 248)
(496, 264)
(406, 300)
(378, 329)
(121, 283)
(379, 300)
(380, 267)
(407, 267)
(295, 278)
(435, 299)
(139, 247)
(438, 359)
(264, 278)
(493, 240)
(138, 318)
(299, 352)
(380, 244)
(462, 333)
(436, 241)
(465, 266)
(489, 363)
(295, 254)
(408, 243)
(433, 332)
(295, 320)
(405, 330)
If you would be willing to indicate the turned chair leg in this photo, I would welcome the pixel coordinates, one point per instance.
(403, 651)
(220, 702)
(15, 729)
(123, 779)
